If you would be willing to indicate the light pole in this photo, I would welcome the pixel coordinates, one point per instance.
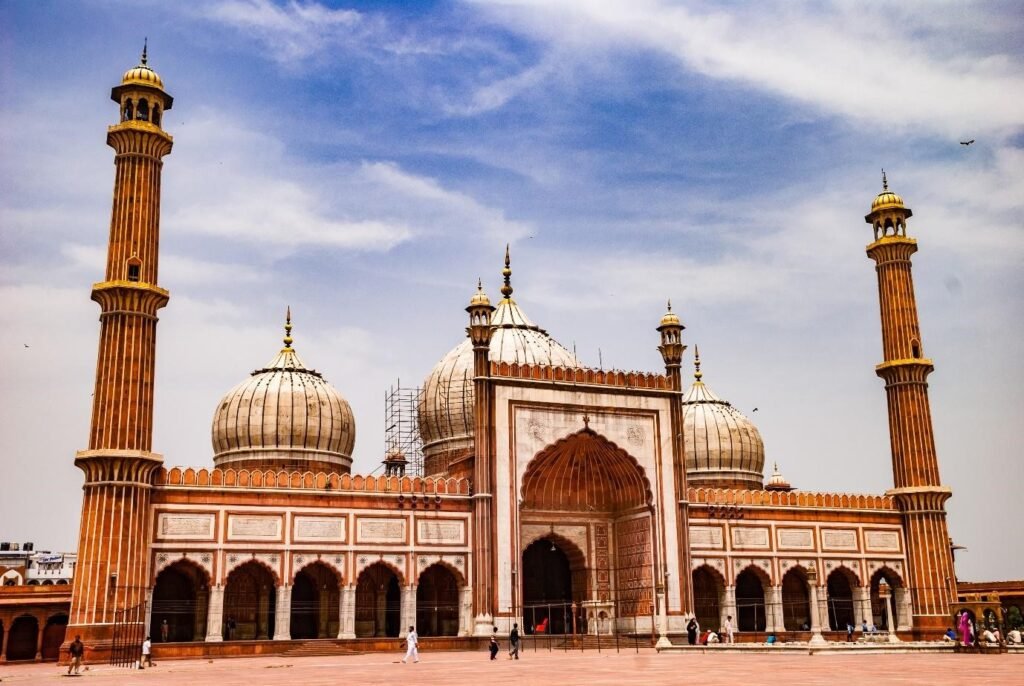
(812, 581)
(885, 593)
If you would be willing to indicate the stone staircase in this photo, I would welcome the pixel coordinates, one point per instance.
(320, 647)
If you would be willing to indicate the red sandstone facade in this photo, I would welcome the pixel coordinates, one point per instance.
(559, 497)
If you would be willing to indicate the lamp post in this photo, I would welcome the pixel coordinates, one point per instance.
(885, 593)
(812, 581)
(661, 592)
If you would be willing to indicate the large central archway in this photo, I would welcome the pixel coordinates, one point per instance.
(250, 603)
(179, 603)
(378, 602)
(316, 599)
(597, 490)
(437, 602)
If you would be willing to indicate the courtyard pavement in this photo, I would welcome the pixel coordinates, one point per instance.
(552, 669)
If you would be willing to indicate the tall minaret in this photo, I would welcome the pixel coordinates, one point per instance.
(918, 489)
(112, 573)
(484, 565)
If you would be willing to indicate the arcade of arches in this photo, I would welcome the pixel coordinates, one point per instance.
(36, 636)
(758, 606)
(585, 484)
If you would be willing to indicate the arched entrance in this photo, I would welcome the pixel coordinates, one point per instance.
(796, 601)
(21, 644)
(750, 608)
(878, 604)
(179, 598)
(249, 603)
(548, 584)
(53, 636)
(437, 602)
(708, 589)
(840, 600)
(316, 599)
(378, 602)
(586, 478)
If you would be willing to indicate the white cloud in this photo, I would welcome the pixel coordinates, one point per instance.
(850, 60)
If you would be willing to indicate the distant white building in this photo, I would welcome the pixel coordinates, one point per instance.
(21, 564)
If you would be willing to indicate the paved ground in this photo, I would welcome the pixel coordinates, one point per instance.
(554, 669)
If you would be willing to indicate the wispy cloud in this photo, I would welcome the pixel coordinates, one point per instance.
(851, 60)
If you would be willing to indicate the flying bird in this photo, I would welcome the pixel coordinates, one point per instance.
(25, 344)
(967, 142)
(753, 410)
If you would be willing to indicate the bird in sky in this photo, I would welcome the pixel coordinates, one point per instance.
(754, 410)
(967, 142)
(25, 344)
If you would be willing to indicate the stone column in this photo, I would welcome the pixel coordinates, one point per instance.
(39, 637)
(816, 637)
(407, 615)
(465, 611)
(728, 608)
(887, 606)
(283, 614)
(347, 608)
(215, 615)
(774, 618)
(663, 641)
(862, 605)
(7, 634)
(901, 600)
(149, 613)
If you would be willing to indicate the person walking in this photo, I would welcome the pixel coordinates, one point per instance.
(692, 631)
(147, 654)
(77, 650)
(412, 642)
(513, 642)
(493, 647)
(964, 624)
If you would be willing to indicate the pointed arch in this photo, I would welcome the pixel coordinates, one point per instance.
(582, 472)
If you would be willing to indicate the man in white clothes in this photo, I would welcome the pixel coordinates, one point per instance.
(413, 643)
(147, 657)
(728, 629)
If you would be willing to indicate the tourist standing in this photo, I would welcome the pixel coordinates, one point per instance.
(729, 638)
(77, 650)
(965, 628)
(692, 630)
(513, 642)
(165, 631)
(147, 654)
(849, 632)
(412, 642)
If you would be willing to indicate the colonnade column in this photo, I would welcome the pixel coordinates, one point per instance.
(901, 601)
(215, 615)
(774, 619)
(408, 611)
(283, 613)
(347, 609)
(39, 638)
(862, 605)
(728, 607)
(3, 645)
(815, 607)
(465, 610)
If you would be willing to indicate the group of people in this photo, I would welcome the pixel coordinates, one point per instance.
(513, 643)
(694, 636)
(966, 633)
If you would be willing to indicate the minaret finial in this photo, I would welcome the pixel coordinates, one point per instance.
(506, 290)
(288, 329)
(670, 304)
(145, 47)
(697, 373)
(885, 182)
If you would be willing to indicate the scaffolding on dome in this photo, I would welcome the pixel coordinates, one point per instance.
(402, 431)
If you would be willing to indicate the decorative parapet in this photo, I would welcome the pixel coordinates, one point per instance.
(581, 375)
(344, 483)
(843, 501)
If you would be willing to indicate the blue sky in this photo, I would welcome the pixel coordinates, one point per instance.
(365, 163)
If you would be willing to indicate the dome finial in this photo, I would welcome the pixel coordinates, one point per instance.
(506, 290)
(288, 329)
(670, 304)
(885, 182)
(697, 373)
(145, 47)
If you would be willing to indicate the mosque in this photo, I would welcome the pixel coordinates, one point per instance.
(567, 499)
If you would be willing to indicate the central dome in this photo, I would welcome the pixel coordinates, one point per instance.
(445, 410)
(284, 416)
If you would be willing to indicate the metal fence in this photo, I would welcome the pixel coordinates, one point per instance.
(128, 633)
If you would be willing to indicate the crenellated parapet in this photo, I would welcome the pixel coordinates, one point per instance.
(844, 501)
(581, 375)
(320, 481)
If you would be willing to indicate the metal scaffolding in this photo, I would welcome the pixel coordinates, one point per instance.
(402, 431)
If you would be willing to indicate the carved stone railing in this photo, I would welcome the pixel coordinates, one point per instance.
(580, 375)
(320, 481)
(844, 501)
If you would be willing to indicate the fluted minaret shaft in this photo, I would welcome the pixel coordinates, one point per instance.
(918, 489)
(112, 573)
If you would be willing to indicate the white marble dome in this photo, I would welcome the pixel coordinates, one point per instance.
(722, 447)
(284, 416)
(446, 405)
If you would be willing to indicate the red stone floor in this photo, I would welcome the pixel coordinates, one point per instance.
(555, 669)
